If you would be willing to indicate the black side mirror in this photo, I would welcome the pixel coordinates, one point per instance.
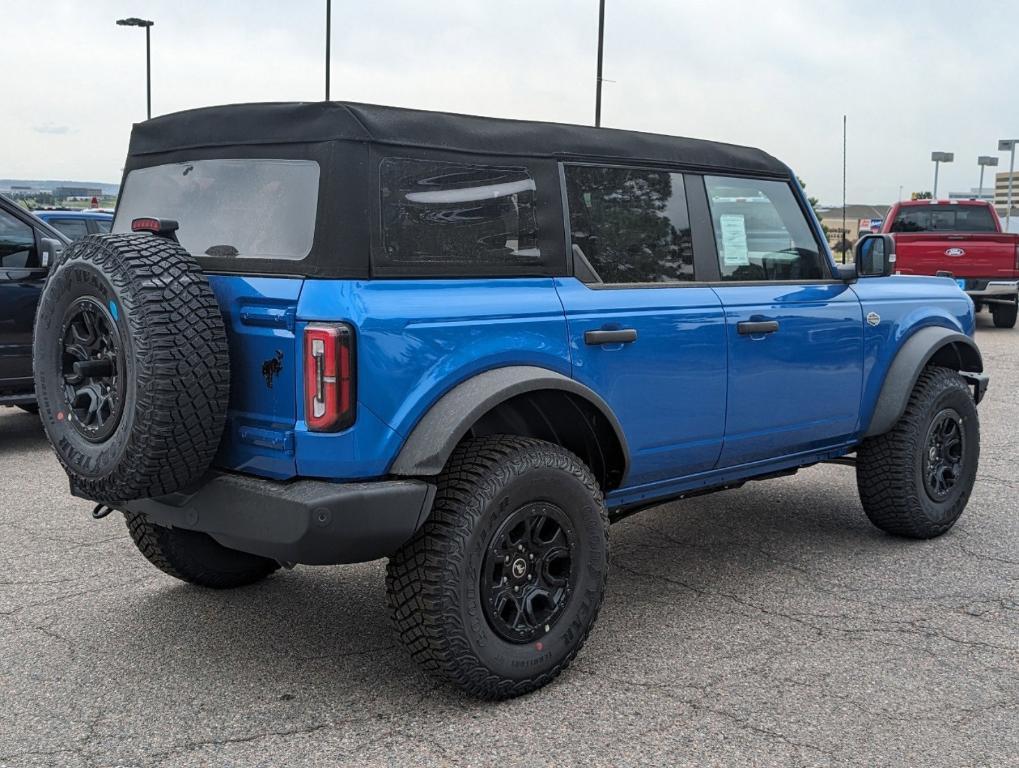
(49, 249)
(875, 256)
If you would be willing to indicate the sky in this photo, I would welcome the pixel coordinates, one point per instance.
(912, 77)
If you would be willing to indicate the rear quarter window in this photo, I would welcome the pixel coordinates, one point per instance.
(457, 219)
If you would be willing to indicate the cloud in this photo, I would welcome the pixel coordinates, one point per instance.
(53, 129)
(776, 75)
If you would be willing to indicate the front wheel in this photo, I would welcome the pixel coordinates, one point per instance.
(499, 589)
(915, 481)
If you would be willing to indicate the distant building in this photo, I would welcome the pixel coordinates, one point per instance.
(974, 194)
(62, 193)
(831, 218)
(1001, 190)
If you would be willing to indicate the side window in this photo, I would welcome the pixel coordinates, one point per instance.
(457, 218)
(17, 243)
(631, 225)
(761, 232)
(73, 228)
(103, 226)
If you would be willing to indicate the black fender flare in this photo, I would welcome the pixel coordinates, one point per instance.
(940, 345)
(431, 442)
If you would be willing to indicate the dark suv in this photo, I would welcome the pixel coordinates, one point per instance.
(27, 247)
(329, 333)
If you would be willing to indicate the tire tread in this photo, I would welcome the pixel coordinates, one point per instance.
(419, 590)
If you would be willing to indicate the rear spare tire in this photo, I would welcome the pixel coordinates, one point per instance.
(131, 366)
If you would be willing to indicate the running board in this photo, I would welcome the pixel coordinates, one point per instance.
(24, 399)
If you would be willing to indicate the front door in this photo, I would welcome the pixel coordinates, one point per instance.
(642, 334)
(795, 334)
(21, 281)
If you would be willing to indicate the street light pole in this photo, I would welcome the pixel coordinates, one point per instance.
(938, 158)
(1003, 145)
(329, 34)
(601, 42)
(983, 161)
(148, 72)
(147, 24)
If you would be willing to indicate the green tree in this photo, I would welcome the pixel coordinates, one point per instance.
(619, 219)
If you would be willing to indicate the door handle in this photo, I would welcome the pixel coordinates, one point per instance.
(754, 327)
(621, 336)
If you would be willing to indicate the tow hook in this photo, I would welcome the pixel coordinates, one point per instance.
(100, 511)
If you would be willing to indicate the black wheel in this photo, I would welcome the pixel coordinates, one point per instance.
(32, 408)
(915, 481)
(1004, 315)
(499, 589)
(196, 557)
(131, 366)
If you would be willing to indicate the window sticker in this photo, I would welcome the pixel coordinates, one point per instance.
(734, 240)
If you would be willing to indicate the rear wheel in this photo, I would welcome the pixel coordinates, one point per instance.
(499, 589)
(915, 481)
(1005, 315)
(196, 557)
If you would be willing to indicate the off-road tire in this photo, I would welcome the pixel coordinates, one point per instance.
(890, 467)
(157, 312)
(196, 557)
(1004, 315)
(434, 583)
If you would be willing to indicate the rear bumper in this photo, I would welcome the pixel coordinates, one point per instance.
(304, 521)
(992, 289)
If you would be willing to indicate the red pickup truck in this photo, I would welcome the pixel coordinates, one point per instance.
(961, 239)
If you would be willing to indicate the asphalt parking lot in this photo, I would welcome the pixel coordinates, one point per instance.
(770, 625)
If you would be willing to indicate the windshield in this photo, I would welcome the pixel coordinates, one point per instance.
(944, 218)
(252, 209)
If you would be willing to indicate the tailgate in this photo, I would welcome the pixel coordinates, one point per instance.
(260, 315)
(964, 255)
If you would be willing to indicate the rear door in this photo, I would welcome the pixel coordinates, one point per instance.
(643, 333)
(795, 334)
(21, 282)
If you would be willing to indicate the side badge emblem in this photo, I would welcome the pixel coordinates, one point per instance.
(873, 318)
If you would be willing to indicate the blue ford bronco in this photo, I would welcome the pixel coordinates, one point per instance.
(329, 333)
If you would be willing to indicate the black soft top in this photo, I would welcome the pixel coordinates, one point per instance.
(300, 122)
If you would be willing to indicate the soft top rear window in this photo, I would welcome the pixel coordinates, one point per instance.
(944, 218)
(250, 208)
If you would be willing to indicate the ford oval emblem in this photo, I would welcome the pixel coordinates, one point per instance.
(955, 252)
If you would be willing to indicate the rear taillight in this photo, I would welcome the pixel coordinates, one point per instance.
(329, 396)
(1017, 257)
